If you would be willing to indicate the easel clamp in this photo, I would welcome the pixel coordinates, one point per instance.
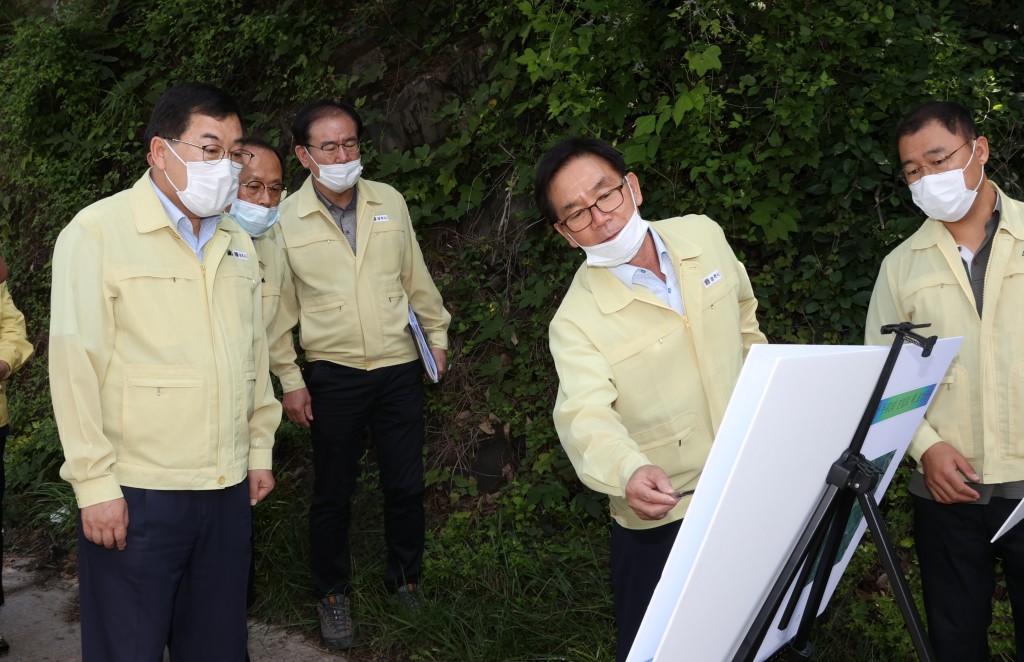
(854, 472)
(904, 329)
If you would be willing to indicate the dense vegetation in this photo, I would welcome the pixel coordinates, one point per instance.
(774, 118)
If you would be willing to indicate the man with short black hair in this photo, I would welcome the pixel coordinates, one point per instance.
(962, 272)
(353, 269)
(648, 343)
(160, 385)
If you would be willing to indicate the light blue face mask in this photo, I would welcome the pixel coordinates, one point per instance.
(254, 219)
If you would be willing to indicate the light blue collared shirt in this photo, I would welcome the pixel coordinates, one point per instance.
(669, 292)
(207, 225)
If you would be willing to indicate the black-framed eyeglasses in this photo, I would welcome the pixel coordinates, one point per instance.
(351, 146)
(254, 189)
(609, 201)
(940, 164)
(214, 153)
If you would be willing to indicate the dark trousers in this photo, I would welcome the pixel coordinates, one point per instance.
(3, 487)
(958, 574)
(179, 582)
(345, 401)
(638, 557)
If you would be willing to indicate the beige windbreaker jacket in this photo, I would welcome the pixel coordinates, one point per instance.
(158, 362)
(15, 348)
(638, 384)
(352, 310)
(979, 406)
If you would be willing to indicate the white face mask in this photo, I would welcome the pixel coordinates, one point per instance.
(944, 196)
(209, 186)
(338, 177)
(624, 246)
(254, 219)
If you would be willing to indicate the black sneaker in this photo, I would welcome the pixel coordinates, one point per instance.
(5, 647)
(336, 622)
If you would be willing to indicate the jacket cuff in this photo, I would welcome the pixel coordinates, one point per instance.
(260, 458)
(924, 438)
(291, 380)
(97, 490)
(438, 340)
(629, 467)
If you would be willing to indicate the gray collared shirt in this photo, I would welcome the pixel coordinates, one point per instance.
(345, 216)
(977, 264)
(181, 223)
(669, 291)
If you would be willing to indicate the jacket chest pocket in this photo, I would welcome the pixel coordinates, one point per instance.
(317, 261)
(932, 298)
(160, 306)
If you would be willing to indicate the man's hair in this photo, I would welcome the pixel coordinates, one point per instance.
(950, 115)
(559, 156)
(318, 110)
(174, 109)
(255, 141)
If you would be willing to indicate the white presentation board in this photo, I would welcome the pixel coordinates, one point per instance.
(793, 412)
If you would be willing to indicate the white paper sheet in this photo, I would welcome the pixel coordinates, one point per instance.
(793, 412)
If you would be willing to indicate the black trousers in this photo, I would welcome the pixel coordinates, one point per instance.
(179, 582)
(345, 401)
(958, 574)
(638, 557)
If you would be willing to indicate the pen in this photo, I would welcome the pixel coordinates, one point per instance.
(682, 493)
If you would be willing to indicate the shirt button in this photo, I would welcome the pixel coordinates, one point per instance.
(220, 480)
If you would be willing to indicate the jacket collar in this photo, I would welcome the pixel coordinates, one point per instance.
(308, 204)
(612, 295)
(147, 209)
(1011, 219)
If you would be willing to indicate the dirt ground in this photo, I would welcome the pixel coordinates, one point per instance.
(40, 622)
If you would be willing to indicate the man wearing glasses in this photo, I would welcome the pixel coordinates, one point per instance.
(160, 385)
(962, 271)
(255, 209)
(648, 343)
(353, 269)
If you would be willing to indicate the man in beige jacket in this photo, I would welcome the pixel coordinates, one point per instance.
(962, 272)
(648, 344)
(353, 269)
(161, 390)
(15, 350)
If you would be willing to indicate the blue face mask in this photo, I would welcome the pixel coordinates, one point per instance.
(254, 219)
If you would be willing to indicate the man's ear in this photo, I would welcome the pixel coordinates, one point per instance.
(565, 234)
(302, 155)
(157, 157)
(634, 184)
(981, 150)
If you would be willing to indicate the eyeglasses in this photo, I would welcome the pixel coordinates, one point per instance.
(351, 146)
(609, 201)
(214, 153)
(941, 164)
(254, 189)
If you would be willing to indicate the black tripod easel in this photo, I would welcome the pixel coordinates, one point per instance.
(851, 479)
